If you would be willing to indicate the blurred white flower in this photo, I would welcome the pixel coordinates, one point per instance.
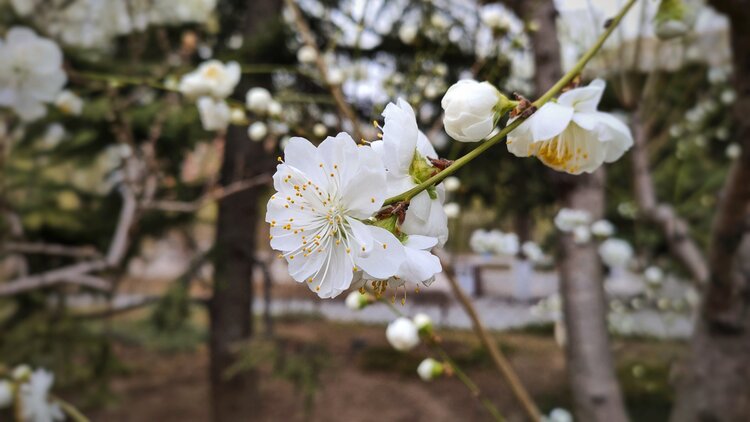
(471, 109)
(615, 253)
(214, 114)
(570, 135)
(568, 219)
(408, 33)
(275, 109)
(505, 243)
(452, 183)
(496, 17)
(21, 372)
(211, 78)
(320, 130)
(558, 415)
(452, 210)
(257, 131)
(653, 275)
(335, 76)
(481, 242)
(728, 96)
(602, 228)
(35, 401)
(429, 369)
(532, 251)
(581, 235)
(31, 73)
(307, 54)
(258, 100)
(356, 300)
(423, 322)
(733, 151)
(6, 394)
(402, 334)
(69, 103)
(52, 137)
(237, 116)
(324, 240)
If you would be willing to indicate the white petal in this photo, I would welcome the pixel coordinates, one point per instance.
(364, 193)
(547, 122)
(386, 256)
(585, 99)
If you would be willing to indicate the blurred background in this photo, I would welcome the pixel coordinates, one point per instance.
(134, 260)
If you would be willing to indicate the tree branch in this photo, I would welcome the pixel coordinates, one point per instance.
(216, 194)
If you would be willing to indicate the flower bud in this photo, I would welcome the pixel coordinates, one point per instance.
(257, 131)
(472, 109)
(452, 183)
(356, 300)
(671, 19)
(307, 54)
(21, 372)
(258, 100)
(423, 323)
(402, 334)
(429, 369)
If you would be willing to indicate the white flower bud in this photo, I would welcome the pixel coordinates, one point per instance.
(733, 151)
(257, 131)
(602, 228)
(237, 116)
(452, 183)
(408, 33)
(471, 109)
(258, 100)
(402, 334)
(335, 76)
(320, 130)
(568, 219)
(69, 103)
(452, 210)
(307, 54)
(429, 369)
(615, 253)
(214, 114)
(423, 322)
(581, 235)
(653, 275)
(6, 394)
(21, 372)
(275, 109)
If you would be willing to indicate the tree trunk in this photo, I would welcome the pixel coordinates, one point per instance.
(591, 372)
(596, 393)
(234, 398)
(237, 398)
(715, 383)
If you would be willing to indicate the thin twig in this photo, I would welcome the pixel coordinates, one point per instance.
(216, 194)
(31, 248)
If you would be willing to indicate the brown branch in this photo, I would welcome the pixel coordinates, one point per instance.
(30, 248)
(675, 229)
(216, 194)
(68, 274)
(335, 89)
(500, 361)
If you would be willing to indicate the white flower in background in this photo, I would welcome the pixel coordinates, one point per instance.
(52, 137)
(602, 228)
(237, 116)
(275, 109)
(257, 131)
(570, 135)
(408, 33)
(672, 19)
(31, 73)
(653, 275)
(504, 243)
(728, 96)
(581, 235)
(532, 251)
(214, 114)
(615, 253)
(35, 401)
(402, 334)
(452, 183)
(21, 372)
(452, 210)
(320, 130)
(69, 103)
(212, 78)
(322, 195)
(733, 151)
(558, 415)
(568, 219)
(335, 76)
(6, 394)
(495, 17)
(356, 300)
(258, 100)
(404, 151)
(471, 110)
(307, 54)
(429, 369)
(423, 322)
(481, 242)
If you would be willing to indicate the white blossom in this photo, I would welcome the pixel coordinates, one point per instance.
(307, 54)
(532, 251)
(335, 76)
(258, 100)
(728, 96)
(402, 334)
(602, 228)
(615, 253)
(31, 73)
(733, 151)
(275, 109)
(69, 103)
(356, 300)
(452, 210)
(408, 33)
(212, 78)
(214, 114)
(257, 131)
(35, 401)
(423, 322)
(470, 110)
(570, 135)
(429, 369)
(237, 116)
(6, 394)
(558, 415)
(568, 219)
(320, 130)
(481, 242)
(581, 235)
(323, 194)
(452, 183)
(653, 275)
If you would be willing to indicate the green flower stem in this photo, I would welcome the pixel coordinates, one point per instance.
(70, 410)
(564, 81)
(460, 374)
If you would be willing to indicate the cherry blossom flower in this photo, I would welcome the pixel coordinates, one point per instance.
(471, 110)
(212, 78)
(402, 334)
(214, 114)
(615, 253)
(429, 369)
(35, 401)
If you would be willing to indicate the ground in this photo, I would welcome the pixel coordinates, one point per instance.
(360, 378)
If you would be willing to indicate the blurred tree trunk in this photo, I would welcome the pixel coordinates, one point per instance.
(237, 398)
(715, 383)
(596, 393)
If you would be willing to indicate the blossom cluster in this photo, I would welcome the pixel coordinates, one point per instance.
(29, 392)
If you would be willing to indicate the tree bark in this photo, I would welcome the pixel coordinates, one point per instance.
(715, 382)
(237, 398)
(596, 394)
